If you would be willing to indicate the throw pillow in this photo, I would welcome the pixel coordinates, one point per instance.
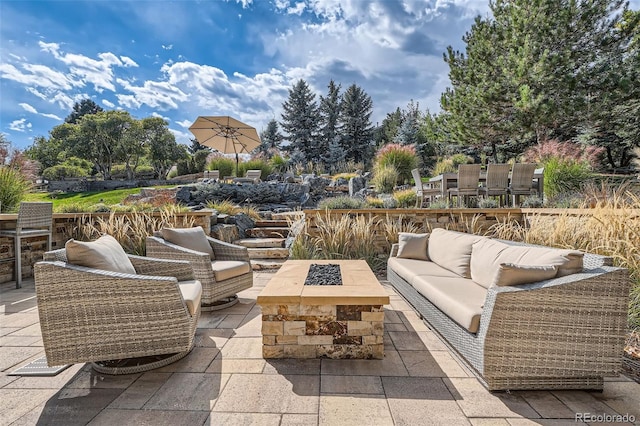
(105, 253)
(512, 274)
(191, 238)
(413, 246)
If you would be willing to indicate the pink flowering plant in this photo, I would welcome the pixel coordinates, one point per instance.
(401, 157)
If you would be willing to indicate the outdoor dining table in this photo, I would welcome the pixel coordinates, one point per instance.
(450, 180)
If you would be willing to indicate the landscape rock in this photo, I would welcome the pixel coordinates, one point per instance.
(356, 184)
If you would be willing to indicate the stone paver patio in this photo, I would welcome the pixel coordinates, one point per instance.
(225, 381)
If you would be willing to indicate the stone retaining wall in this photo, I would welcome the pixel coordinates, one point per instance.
(65, 227)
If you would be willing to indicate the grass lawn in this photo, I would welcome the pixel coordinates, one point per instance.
(85, 199)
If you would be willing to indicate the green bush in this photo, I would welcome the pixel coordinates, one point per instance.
(402, 157)
(143, 171)
(531, 202)
(562, 176)
(255, 164)
(374, 202)
(385, 178)
(63, 171)
(226, 166)
(13, 187)
(343, 202)
(406, 198)
(279, 163)
(488, 203)
(450, 164)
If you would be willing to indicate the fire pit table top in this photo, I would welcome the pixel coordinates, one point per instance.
(359, 285)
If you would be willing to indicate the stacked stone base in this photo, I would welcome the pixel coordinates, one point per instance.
(322, 331)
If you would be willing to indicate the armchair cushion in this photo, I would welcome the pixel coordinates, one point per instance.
(191, 238)
(413, 246)
(225, 269)
(105, 253)
(191, 293)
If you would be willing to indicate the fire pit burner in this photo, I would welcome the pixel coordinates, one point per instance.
(323, 275)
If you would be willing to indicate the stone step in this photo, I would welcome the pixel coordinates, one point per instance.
(270, 232)
(266, 264)
(271, 224)
(260, 242)
(268, 253)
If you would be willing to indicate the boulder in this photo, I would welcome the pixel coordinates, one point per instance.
(356, 184)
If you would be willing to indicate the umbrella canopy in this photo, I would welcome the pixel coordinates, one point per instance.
(225, 134)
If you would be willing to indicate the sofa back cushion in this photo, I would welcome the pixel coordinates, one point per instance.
(512, 274)
(413, 246)
(452, 250)
(487, 256)
(105, 253)
(191, 238)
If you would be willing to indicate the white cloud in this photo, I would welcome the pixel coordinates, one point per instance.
(128, 62)
(155, 114)
(161, 95)
(297, 9)
(181, 137)
(168, 47)
(20, 125)
(28, 108)
(185, 123)
(245, 3)
(53, 116)
(108, 103)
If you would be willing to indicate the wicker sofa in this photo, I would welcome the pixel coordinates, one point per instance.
(121, 322)
(561, 332)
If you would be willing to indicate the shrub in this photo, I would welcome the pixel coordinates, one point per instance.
(342, 202)
(385, 178)
(279, 163)
(256, 164)
(374, 202)
(226, 166)
(118, 171)
(531, 202)
(346, 176)
(569, 151)
(441, 203)
(62, 172)
(402, 157)
(488, 203)
(227, 207)
(563, 176)
(13, 187)
(443, 166)
(406, 198)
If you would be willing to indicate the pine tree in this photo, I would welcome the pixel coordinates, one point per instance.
(335, 154)
(300, 120)
(409, 131)
(329, 115)
(85, 106)
(355, 125)
(270, 139)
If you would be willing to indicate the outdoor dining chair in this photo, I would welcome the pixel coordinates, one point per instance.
(521, 181)
(35, 219)
(497, 182)
(468, 181)
(425, 193)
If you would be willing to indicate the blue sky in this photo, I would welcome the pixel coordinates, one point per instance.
(181, 59)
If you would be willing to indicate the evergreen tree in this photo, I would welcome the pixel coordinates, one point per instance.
(409, 131)
(329, 115)
(196, 146)
(335, 154)
(390, 126)
(82, 108)
(300, 120)
(270, 139)
(355, 125)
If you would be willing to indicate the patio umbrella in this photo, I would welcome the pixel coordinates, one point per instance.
(225, 134)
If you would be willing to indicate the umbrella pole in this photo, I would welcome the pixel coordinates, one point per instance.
(237, 175)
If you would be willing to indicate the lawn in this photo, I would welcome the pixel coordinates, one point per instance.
(75, 200)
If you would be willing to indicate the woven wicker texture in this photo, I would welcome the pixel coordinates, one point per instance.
(425, 193)
(92, 315)
(468, 180)
(497, 182)
(212, 290)
(563, 333)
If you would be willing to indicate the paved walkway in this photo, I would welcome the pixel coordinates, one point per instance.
(225, 381)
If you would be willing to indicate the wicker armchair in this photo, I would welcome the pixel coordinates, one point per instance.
(216, 293)
(468, 181)
(122, 323)
(497, 182)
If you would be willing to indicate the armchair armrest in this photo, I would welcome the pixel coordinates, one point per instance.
(180, 269)
(394, 250)
(228, 251)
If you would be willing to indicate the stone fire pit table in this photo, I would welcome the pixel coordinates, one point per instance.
(323, 321)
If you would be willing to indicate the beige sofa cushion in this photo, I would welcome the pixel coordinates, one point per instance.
(459, 298)
(487, 256)
(191, 293)
(413, 246)
(225, 269)
(409, 268)
(452, 250)
(511, 274)
(191, 238)
(105, 253)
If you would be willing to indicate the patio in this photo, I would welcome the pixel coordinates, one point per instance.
(225, 380)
